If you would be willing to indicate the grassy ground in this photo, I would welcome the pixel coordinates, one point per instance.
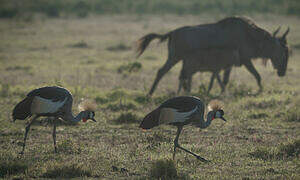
(94, 58)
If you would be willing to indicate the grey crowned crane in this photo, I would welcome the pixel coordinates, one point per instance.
(180, 111)
(51, 102)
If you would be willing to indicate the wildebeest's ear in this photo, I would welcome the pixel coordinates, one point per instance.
(286, 32)
(276, 31)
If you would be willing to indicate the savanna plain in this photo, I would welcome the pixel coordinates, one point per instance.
(94, 58)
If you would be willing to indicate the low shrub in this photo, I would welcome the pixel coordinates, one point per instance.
(68, 146)
(163, 169)
(130, 67)
(127, 118)
(11, 165)
(66, 171)
(119, 47)
(285, 150)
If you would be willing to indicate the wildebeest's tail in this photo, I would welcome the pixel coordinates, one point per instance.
(22, 109)
(145, 40)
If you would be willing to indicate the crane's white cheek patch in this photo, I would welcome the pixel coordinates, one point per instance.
(41, 105)
(91, 115)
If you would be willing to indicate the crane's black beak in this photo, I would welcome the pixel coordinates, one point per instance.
(223, 118)
(93, 119)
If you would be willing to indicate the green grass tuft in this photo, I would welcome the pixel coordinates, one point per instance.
(263, 153)
(258, 115)
(293, 114)
(101, 100)
(130, 67)
(160, 99)
(163, 169)
(119, 47)
(264, 103)
(66, 171)
(122, 105)
(4, 92)
(238, 91)
(156, 140)
(17, 67)
(117, 94)
(283, 151)
(290, 149)
(142, 99)
(68, 146)
(80, 44)
(127, 118)
(11, 165)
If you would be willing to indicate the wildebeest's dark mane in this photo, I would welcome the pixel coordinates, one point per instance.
(257, 33)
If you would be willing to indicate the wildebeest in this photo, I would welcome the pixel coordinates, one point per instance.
(207, 60)
(232, 32)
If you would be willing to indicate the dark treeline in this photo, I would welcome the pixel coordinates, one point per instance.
(81, 8)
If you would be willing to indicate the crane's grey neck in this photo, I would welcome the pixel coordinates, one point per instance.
(204, 124)
(78, 117)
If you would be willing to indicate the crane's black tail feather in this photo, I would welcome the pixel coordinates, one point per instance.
(151, 120)
(22, 109)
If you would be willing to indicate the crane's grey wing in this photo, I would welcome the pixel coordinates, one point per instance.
(170, 115)
(41, 105)
(182, 103)
(52, 93)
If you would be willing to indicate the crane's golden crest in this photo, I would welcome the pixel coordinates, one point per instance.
(87, 105)
(215, 105)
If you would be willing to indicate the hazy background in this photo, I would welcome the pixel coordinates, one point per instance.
(57, 8)
(88, 47)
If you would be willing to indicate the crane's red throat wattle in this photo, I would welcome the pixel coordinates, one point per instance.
(84, 120)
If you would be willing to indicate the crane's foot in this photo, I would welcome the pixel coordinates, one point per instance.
(202, 159)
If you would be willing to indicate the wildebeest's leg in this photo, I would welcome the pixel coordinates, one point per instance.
(185, 84)
(180, 85)
(161, 72)
(220, 82)
(254, 72)
(181, 79)
(226, 75)
(186, 74)
(188, 83)
(212, 79)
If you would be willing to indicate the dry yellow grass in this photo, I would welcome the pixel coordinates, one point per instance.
(74, 53)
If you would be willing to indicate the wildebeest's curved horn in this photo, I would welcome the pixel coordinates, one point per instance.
(286, 32)
(276, 31)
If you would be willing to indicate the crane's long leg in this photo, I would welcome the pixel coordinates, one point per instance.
(176, 140)
(54, 135)
(26, 133)
(176, 145)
